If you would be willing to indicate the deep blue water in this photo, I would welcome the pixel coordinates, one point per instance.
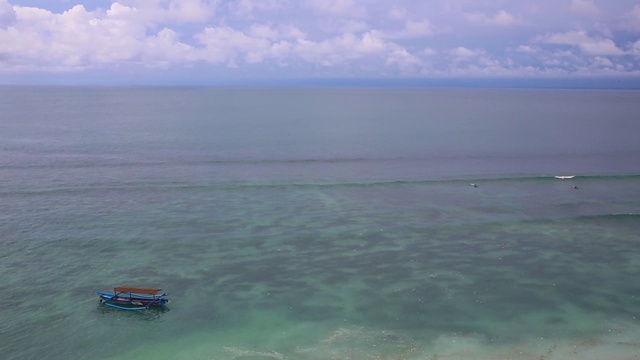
(320, 223)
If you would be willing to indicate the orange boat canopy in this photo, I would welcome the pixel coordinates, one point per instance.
(120, 289)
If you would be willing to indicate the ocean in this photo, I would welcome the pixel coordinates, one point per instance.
(320, 223)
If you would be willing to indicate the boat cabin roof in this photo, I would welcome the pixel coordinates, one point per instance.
(121, 289)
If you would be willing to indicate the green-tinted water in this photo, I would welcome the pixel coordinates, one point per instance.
(313, 255)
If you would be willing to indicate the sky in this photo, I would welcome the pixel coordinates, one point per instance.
(319, 41)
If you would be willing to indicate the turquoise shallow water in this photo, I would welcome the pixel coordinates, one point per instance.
(272, 247)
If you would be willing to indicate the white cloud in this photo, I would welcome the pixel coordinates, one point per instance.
(601, 47)
(370, 37)
(403, 59)
(226, 45)
(463, 52)
(601, 61)
(341, 49)
(32, 18)
(123, 12)
(501, 18)
(635, 48)
(232, 47)
(526, 49)
(78, 39)
(588, 45)
(291, 32)
(165, 49)
(7, 14)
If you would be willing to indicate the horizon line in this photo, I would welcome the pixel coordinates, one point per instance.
(599, 83)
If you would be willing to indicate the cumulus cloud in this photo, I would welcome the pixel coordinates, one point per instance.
(635, 48)
(233, 47)
(601, 61)
(79, 39)
(341, 49)
(463, 52)
(526, 49)
(165, 49)
(7, 14)
(403, 59)
(227, 45)
(588, 45)
(367, 37)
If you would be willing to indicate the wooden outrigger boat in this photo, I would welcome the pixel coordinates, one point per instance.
(132, 298)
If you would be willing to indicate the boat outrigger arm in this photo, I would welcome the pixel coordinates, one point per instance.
(132, 298)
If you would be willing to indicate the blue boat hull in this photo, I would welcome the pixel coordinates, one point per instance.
(131, 301)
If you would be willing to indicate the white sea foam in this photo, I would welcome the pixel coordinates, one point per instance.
(620, 342)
